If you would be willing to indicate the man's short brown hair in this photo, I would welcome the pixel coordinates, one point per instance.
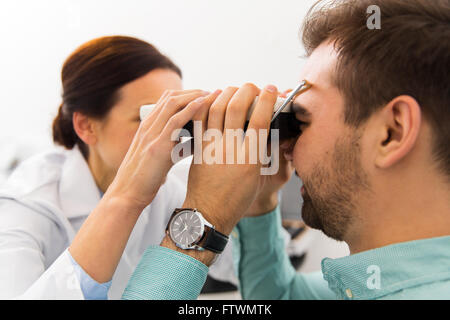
(409, 55)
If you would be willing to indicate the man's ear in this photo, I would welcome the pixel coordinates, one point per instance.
(401, 119)
(85, 128)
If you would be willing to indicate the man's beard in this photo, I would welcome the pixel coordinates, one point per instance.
(329, 200)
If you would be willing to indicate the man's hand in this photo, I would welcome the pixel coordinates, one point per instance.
(267, 198)
(224, 192)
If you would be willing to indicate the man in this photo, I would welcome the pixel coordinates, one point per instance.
(373, 156)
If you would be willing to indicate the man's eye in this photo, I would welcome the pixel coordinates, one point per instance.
(294, 128)
(302, 125)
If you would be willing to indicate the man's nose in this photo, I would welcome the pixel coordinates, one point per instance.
(287, 147)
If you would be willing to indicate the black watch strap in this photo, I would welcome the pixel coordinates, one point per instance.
(215, 241)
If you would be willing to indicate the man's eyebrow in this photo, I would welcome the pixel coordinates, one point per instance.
(300, 109)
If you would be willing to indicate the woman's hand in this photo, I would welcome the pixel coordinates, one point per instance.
(148, 159)
(100, 242)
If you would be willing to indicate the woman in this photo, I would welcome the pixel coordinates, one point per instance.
(65, 197)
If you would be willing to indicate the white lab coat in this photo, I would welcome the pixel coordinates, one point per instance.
(43, 205)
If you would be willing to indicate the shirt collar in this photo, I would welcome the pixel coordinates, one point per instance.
(378, 272)
(79, 194)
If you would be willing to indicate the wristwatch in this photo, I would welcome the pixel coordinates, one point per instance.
(188, 229)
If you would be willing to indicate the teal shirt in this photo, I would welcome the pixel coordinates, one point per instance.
(410, 270)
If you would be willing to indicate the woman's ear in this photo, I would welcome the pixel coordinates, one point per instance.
(401, 122)
(84, 128)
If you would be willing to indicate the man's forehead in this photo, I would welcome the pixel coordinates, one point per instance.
(320, 65)
(318, 71)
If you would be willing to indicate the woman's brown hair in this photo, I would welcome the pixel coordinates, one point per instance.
(92, 76)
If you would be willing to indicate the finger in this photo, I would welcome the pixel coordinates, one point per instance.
(262, 115)
(285, 93)
(172, 105)
(203, 114)
(148, 121)
(180, 119)
(237, 109)
(285, 170)
(217, 111)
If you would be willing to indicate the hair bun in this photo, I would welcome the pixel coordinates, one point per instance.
(63, 131)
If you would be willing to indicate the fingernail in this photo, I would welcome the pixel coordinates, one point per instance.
(205, 93)
(270, 88)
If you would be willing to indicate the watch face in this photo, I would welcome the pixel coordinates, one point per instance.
(186, 228)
